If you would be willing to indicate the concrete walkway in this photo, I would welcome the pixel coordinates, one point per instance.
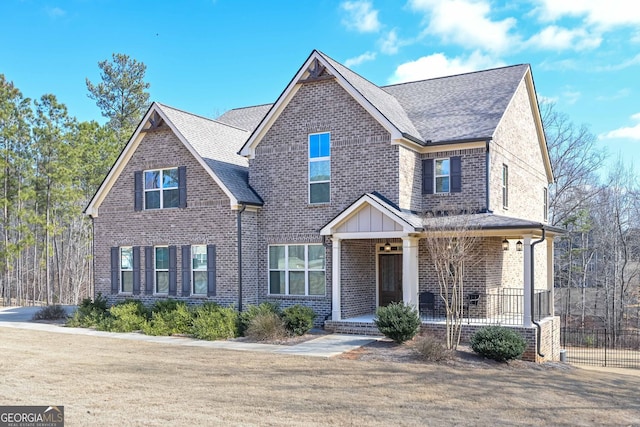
(324, 346)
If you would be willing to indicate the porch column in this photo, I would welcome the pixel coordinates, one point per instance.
(527, 315)
(410, 271)
(550, 276)
(336, 288)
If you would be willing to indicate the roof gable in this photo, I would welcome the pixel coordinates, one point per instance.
(214, 145)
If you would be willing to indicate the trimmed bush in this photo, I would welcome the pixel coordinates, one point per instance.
(431, 349)
(267, 326)
(298, 319)
(252, 311)
(498, 343)
(213, 322)
(50, 312)
(169, 317)
(126, 316)
(397, 321)
(89, 313)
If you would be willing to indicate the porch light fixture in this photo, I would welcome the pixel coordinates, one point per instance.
(505, 245)
(519, 246)
(387, 247)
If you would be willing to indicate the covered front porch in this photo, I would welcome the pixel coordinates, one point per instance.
(379, 256)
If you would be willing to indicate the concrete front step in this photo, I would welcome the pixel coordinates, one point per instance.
(353, 328)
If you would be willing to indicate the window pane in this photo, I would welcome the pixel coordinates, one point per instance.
(200, 282)
(316, 283)
(296, 257)
(127, 281)
(320, 171)
(276, 257)
(171, 198)
(314, 146)
(324, 145)
(296, 283)
(199, 257)
(151, 180)
(162, 258)
(442, 184)
(170, 178)
(319, 193)
(276, 282)
(162, 282)
(126, 258)
(442, 167)
(152, 200)
(316, 257)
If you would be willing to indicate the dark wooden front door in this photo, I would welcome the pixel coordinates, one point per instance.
(390, 278)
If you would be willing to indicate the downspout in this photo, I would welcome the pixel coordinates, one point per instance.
(486, 184)
(242, 208)
(533, 293)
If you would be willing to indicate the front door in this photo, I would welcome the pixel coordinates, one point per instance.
(389, 278)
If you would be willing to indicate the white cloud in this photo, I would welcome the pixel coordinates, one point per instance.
(559, 38)
(466, 23)
(365, 57)
(571, 96)
(629, 132)
(390, 44)
(360, 16)
(55, 12)
(438, 65)
(606, 14)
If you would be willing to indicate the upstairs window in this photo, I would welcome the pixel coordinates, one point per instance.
(505, 186)
(442, 175)
(297, 270)
(319, 168)
(161, 189)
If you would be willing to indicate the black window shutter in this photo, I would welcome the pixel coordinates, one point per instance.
(115, 269)
(173, 270)
(427, 176)
(137, 185)
(182, 187)
(211, 270)
(149, 271)
(186, 270)
(456, 174)
(136, 270)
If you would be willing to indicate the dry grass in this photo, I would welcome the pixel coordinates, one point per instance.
(104, 381)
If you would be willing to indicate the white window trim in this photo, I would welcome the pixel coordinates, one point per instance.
(436, 176)
(121, 285)
(306, 271)
(160, 190)
(505, 186)
(156, 270)
(194, 270)
(317, 159)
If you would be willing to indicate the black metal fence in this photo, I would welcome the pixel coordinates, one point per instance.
(505, 307)
(600, 347)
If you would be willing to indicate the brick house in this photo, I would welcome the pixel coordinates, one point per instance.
(320, 199)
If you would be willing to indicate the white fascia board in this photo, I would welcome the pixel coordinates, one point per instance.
(375, 235)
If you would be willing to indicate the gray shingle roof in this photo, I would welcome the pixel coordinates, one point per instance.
(247, 118)
(465, 106)
(218, 144)
(484, 221)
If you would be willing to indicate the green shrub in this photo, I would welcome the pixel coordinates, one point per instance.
(498, 343)
(169, 319)
(266, 326)
(252, 311)
(298, 319)
(431, 349)
(397, 321)
(51, 312)
(212, 322)
(126, 316)
(89, 313)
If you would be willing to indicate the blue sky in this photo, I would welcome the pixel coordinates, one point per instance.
(207, 56)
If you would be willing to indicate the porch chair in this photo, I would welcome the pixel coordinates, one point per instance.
(426, 303)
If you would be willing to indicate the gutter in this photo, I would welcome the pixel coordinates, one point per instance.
(533, 293)
(242, 208)
(487, 183)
